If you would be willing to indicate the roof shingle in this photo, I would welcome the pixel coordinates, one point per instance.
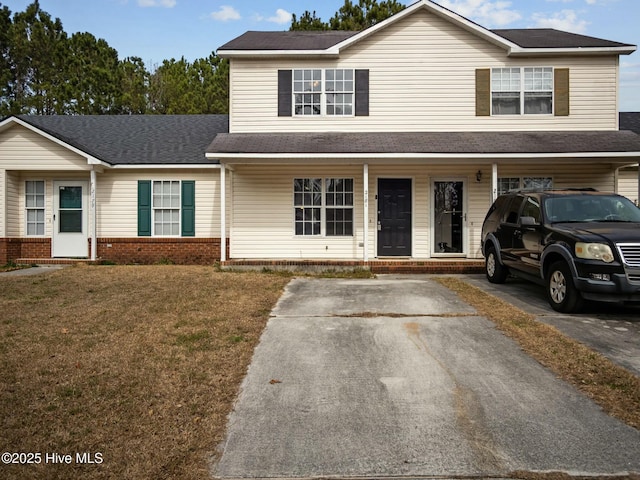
(427, 143)
(136, 139)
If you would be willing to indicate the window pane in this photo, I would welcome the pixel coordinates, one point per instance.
(506, 103)
(538, 103)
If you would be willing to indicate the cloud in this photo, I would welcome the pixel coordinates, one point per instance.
(157, 3)
(281, 17)
(488, 13)
(225, 14)
(563, 20)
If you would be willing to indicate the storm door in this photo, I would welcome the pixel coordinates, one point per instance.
(394, 217)
(449, 218)
(70, 218)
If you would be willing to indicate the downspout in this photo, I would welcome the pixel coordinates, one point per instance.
(223, 213)
(365, 180)
(494, 182)
(94, 219)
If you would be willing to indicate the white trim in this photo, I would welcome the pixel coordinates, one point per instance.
(293, 157)
(93, 233)
(172, 166)
(365, 230)
(223, 213)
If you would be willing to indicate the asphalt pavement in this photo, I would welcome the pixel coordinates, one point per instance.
(395, 376)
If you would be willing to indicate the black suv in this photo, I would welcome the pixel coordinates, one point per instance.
(580, 244)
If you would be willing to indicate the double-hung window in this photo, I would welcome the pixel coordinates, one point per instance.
(323, 92)
(519, 90)
(166, 208)
(34, 203)
(323, 206)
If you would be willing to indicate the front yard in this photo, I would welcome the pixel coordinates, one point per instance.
(133, 368)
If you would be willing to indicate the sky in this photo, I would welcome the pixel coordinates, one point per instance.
(156, 30)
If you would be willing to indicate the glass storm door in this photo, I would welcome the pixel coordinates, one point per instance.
(70, 229)
(449, 218)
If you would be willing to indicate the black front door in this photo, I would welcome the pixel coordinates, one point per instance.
(394, 217)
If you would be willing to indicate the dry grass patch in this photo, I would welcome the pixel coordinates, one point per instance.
(140, 364)
(614, 388)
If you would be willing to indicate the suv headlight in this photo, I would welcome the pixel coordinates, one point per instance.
(594, 251)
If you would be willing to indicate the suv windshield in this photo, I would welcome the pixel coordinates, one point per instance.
(590, 208)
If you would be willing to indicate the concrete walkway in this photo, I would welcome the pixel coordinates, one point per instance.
(395, 377)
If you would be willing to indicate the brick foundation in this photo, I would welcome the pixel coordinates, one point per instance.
(183, 251)
(12, 249)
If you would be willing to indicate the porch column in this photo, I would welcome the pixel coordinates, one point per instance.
(494, 182)
(365, 235)
(94, 219)
(223, 213)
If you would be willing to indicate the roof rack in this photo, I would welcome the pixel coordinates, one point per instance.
(542, 190)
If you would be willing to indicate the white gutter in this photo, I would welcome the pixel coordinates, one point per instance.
(172, 166)
(415, 156)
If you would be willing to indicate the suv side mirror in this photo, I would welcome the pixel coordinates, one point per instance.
(528, 222)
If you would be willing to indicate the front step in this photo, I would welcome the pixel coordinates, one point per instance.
(55, 261)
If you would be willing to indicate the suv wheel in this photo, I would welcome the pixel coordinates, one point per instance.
(496, 272)
(561, 292)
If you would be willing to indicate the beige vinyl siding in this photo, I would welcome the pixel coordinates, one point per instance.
(12, 203)
(23, 149)
(263, 223)
(117, 200)
(422, 78)
(628, 183)
(263, 219)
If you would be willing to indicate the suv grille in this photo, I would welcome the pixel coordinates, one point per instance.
(630, 253)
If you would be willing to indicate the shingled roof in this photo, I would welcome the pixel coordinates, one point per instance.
(322, 40)
(135, 139)
(427, 143)
(630, 121)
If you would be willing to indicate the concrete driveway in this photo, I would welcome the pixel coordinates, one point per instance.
(395, 376)
(611, 329)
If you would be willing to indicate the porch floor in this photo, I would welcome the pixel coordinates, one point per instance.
(403, 265)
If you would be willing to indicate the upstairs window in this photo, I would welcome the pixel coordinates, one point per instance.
(307, 92)
(527, 90)
(323, 92)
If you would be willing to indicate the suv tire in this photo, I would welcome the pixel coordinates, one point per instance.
(561, 292)
(496, 272)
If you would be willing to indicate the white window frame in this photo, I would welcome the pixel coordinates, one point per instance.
(35, 208)
(523, 182)
(304, 199)
(530, 81)
(308, 82)
(165, 208)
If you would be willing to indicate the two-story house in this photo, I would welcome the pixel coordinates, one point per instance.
(357, 148)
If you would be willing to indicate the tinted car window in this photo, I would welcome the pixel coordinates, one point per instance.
(583, 208)
(511, 213)
(532, 209)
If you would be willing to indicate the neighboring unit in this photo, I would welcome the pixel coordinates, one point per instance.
(387, 144)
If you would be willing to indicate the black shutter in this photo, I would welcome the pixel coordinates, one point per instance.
(284, 93)
(362, 93)
(188, 208)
